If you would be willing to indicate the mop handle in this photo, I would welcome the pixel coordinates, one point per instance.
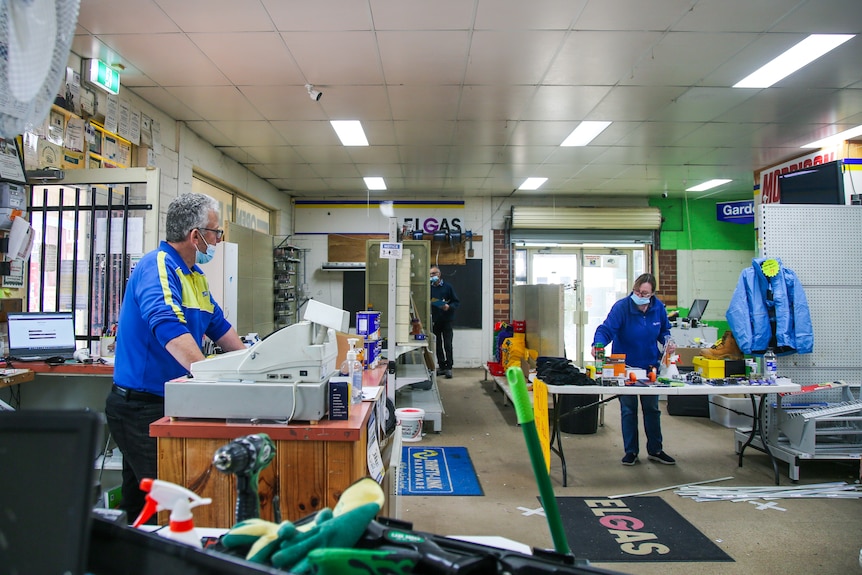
(524, 411)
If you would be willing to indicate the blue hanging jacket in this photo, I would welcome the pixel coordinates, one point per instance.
(754, 316)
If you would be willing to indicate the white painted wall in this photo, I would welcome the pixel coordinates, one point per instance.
(712, 275)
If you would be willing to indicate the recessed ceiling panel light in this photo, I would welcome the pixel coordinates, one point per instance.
(350, 132)
(836, 139)
(532, 183)
(795, 58)
(374, 183)
(585, 133)
(708, 185)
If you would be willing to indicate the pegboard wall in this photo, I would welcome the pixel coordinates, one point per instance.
(821, 244)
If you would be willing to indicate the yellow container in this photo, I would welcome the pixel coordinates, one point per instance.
(709, 368)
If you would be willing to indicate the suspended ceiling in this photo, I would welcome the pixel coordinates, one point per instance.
(464, 98)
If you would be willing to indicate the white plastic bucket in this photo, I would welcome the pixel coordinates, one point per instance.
(410, 420)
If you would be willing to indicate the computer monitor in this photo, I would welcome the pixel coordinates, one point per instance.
(37, 336)
(47, 489)
(697, 308)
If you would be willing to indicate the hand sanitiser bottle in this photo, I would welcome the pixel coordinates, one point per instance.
(770, 366)
(352, 367)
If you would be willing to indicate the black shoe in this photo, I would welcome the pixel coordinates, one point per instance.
(448, 374)
(440, 371)
(629, 459)
(662, 457)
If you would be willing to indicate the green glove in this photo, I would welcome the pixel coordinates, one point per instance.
(260, 537)
(341, 528)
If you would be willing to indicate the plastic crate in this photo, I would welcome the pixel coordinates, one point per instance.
(496, 368)
(722, 416)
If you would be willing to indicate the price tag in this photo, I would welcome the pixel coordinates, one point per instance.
(391, 251)
(770, 268)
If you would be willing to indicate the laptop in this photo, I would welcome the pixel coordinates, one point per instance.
(697, 308)
(38, 336)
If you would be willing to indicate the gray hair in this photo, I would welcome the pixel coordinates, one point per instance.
(187, 212)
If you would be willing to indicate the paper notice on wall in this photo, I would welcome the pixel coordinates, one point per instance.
(112, 113)
(20, 239)
(134, 235)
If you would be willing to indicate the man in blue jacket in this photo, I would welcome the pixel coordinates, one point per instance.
(166, 312)
(637, 325)
(444, 302)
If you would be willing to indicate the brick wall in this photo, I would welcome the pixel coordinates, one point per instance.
(501, 276)
(667, 276)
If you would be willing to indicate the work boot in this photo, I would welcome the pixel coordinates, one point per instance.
(725, 348)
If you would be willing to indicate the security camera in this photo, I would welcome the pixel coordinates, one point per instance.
(664, 194)
(312, 93)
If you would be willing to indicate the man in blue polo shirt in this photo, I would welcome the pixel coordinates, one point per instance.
(166, 312)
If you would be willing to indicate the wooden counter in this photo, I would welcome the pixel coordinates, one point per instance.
(88, 369)
(9, 377)
(313, 464)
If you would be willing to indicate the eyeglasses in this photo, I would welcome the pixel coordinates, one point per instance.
(219, 233)
(642, 294)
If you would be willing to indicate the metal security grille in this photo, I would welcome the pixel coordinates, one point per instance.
(80, 260)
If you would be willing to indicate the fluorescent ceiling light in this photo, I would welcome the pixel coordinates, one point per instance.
(836, 139)
(374, 183)
(532, 183)
(349, 132)
(584, 133)
(795, 58)
(708, 185)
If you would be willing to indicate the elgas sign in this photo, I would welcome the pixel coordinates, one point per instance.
(431, 225)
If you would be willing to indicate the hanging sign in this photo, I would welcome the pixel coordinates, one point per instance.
(391, 251)
(741, 212)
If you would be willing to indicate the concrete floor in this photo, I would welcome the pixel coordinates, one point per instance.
(813, 536)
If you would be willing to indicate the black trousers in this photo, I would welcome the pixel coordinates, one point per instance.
(129, 420)
(443, 334)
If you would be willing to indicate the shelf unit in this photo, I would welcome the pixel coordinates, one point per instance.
(287, 275)
(415, 385)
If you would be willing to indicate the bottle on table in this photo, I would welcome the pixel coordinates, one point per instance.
(770, 366)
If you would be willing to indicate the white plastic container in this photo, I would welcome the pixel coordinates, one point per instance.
(410, 419)
(727, 418)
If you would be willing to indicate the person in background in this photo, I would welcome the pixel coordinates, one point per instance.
(444, 302)
(637, 325)
(167, 310)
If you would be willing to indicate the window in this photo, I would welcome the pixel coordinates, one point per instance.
(233, 207)
(87, 239)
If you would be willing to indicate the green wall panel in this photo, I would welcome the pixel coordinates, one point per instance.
(692, 225)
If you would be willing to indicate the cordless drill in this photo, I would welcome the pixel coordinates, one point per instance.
(246, 457)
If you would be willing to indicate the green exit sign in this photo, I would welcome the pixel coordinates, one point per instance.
(100, 74)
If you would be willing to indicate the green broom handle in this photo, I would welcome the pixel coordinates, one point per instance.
(524, 411)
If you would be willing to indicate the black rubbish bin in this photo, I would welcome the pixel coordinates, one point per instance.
(582, 422)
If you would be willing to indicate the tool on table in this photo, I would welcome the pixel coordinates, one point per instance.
(164, 495)
(246, 457)
(524, 411)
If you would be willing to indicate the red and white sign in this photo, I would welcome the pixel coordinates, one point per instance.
(769, 193)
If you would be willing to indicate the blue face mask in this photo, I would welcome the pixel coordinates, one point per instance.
(639, 300)
(435, 279)
(205, 258)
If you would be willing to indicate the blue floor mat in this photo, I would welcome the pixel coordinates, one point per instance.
(437, 471)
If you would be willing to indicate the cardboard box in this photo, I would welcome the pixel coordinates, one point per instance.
(687, 355)
(709, 368)
(339, 398)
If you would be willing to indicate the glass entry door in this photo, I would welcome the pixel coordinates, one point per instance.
(592, 279)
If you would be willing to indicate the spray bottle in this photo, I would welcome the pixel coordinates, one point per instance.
(352, 367)
(162, 495)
